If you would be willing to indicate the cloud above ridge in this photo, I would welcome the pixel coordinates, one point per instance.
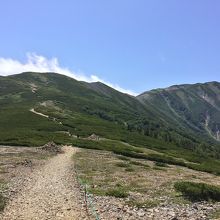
(38, 63)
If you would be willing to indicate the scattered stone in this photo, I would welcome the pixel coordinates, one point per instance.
(112, 208)
(27, 163)
(52, 148)
(140, 213)
(93, 137)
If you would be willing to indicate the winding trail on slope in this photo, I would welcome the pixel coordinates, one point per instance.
(50, 192)
(38, 113)
(43, 115)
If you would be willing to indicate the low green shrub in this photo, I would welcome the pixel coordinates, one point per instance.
(165, 159)
(130, 169)
(209, 166)
(137, 163)
(97, 191)
(160, 164)
(123, 158)
(159, 168)
(2, 203)
(118, 192)
(198, 191)
(122, 164)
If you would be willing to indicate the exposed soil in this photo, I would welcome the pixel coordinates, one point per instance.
(38, 113)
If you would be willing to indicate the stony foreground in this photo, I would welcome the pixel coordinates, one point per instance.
(111, 208)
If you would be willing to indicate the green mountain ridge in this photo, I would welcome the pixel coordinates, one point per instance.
(195, 106)
(180, 121)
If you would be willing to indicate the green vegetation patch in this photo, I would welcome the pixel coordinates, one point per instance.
(118, 192)
(159, 168)
(137, 163)
(165, 159)
(130, 169)
(126, 151)
(2, 199)
(109, 145)
(2, 202)
(198, 191)
(216, 214)
(123, 158)
(121, 164)
(209, 166)
(161, 164)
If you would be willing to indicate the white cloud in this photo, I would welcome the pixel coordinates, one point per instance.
(36, 63)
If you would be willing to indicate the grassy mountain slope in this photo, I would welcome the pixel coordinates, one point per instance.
(40, 107)
(72, 106)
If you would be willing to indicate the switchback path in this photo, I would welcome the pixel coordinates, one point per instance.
(50, 192)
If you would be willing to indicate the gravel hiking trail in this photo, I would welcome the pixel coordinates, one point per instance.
(50, 192)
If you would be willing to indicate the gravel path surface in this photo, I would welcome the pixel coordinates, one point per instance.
(50, 192)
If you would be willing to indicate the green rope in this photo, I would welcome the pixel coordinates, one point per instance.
(91, 203)
(89, 198)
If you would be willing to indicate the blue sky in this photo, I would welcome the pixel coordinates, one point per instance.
(135, 44)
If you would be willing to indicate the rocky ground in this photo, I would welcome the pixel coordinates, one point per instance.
(44, 183)
(115, 209)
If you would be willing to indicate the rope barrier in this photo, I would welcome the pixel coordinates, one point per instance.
(88, 198)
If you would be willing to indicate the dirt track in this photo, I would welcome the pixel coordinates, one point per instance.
(50, 192)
